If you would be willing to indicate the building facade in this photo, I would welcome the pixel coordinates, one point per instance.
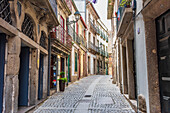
(97, 42)
(24, 35)
(79, 46)
(102, 48)
(140, 51)
(61, 46)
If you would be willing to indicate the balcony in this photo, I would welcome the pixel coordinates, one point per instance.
(68, 2)
(107, 39)
(61, 37)
(98, 31)
(102, 52)
(83, 41)
(92, 48)
(107, 54)
(93, 27)
(5, 11)
(126, 14)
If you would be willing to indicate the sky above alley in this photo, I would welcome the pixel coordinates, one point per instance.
(101, 8)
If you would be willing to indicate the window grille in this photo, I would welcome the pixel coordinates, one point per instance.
(43, 40)
(5, 11)
(28, 27)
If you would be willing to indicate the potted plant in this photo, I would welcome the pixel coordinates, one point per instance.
(62, 81)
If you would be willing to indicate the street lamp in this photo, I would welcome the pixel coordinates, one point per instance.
(77, 17)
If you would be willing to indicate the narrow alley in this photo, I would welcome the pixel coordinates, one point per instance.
(92, 94)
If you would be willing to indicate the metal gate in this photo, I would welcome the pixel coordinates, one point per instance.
(2, 63)
(163, 43)
(40, 79)
(24, 77)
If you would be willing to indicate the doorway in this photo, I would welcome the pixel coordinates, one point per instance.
(54, 72)
(69, 78)
(98, 71)
(88, 64)
(79, 57)
(40, 78)
(24, 76)
(2, 63)
(94, 66)
(62, 66)
(134, 68)
(163, 45)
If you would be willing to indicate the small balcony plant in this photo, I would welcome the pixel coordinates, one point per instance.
(62, 81)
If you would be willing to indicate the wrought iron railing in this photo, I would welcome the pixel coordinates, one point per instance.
(107, 39)
(77, 38)
(98, 31)
(106, 54)
(93, 25)
(68, 2)
(83, 41)
(92, 46)
(121, 10)
(5, 11)
(62, 36)
(102, 52)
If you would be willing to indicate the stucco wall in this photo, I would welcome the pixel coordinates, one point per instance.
(141, 63)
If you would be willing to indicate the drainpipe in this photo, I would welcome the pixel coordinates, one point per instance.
(134, 26)
(49, 64)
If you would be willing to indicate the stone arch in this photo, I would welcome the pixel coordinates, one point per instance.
(28, 27)
(44, 40)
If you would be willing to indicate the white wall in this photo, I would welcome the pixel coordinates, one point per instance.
(141, 62)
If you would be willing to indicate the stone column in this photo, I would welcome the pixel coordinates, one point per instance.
(120, 65)
(124, 70)
(34, 76)
(114, 67)
(119, 78)
(12, 71)
(130, 73)
(45, 76)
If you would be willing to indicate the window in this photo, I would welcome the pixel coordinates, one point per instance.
(89, 37)
(97, 43)
(75, 62)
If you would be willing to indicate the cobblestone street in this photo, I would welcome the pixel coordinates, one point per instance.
(93, 94)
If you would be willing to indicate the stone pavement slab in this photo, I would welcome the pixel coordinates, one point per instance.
(93, 94)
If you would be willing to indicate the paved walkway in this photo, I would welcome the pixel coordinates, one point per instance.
(93, 94)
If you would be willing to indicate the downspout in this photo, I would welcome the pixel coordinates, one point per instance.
(134, 27)
(49, 64)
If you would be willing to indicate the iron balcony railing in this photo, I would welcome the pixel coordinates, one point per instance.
(93, 26)
(98, 31)
(5, 11)
(104, 37)
(68, 2)
(102, 52)
(74, 35)
(106, 54)
(121, 9)
(62, 36)
(107, 39)
(83, 41)
(92, 46)
(77, 38)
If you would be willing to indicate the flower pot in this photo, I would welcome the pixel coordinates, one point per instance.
(61, 85)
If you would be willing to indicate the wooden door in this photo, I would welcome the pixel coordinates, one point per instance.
(2, 63)
(163, 45)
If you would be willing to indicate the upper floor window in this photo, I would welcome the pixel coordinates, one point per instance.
(28, 27)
